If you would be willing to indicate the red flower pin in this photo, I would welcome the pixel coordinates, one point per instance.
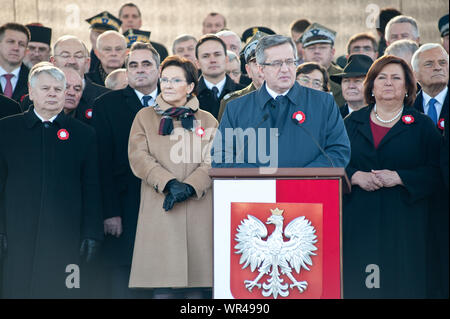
(200, 131)
(299, 116)
(441, 123)
(63, 134)
(88, 113)
(408, 119)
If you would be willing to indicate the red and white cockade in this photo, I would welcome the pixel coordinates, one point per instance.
(200, 131)
(88, 113)
(63, 134)
(299, 116)
(408, 119)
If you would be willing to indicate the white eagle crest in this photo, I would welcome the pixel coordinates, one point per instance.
(268, 255)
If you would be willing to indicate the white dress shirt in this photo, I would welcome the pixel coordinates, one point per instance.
(440, 98)
(153, 95)
(219, 85)
(14, 79)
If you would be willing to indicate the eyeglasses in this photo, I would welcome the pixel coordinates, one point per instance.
(234, 73)
(366, 48)
(78, 56)
(174, 82)
(277, 64)
(305, 80)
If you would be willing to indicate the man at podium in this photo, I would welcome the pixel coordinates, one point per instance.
(282, 124)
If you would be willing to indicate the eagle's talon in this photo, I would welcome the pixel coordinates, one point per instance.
(301, 285)
(250, 284)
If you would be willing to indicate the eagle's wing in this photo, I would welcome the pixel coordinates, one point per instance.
(254, 250)
(298, 249)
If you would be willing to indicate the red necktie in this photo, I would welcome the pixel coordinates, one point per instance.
(8, 88)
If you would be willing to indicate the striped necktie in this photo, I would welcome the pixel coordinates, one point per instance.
(8, 87)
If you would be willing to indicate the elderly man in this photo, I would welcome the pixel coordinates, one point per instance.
(111, 51)
(402, 27)
(214, 83)
(430, 66)
(431, 69)
(61, 207)
(70, 52)
(213, 23)
(184, 46)
(352, 82)
(14, 39)
(318, 44)
(39, 46)
(114, 113)
(131, 18)
(117, 79)
(278, 116)
(252, 70)
(404, 49)
(231, 39)
(74, 91)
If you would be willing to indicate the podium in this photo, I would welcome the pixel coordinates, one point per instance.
(277, 234)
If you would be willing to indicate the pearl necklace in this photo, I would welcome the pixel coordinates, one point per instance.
(388, 121)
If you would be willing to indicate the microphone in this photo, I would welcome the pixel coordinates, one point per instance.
(265, 117)
(317, 143)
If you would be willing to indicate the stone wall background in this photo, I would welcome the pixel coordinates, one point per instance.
(168, 19)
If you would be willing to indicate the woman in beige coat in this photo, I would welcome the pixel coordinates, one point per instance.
(169, 149)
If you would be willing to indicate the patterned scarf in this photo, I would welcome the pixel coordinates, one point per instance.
(185, 114)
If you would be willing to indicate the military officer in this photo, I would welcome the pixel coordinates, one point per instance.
(252, 70)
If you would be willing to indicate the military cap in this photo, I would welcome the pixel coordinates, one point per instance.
(135, 35)
(317, 33)
(104, 21)
(248, 33)
(443, 25)
(40, 33)
(249, 50)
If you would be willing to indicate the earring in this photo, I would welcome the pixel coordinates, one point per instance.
(406, 95)
(372, 94)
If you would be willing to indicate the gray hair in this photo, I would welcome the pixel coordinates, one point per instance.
(182, 38)
(402, 19)
(428, 46)
(111, 80)
(272, 41)
(70, 37)
(232, 56)
(227, 33)
(400, 47)
(53, 71)
(110, 32)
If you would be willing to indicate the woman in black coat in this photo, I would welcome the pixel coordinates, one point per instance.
(394, 169)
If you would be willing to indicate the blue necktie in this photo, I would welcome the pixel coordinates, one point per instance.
(432, 110)
(145, 99)
(215, 92)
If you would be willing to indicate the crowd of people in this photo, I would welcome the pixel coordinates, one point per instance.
(104, 154)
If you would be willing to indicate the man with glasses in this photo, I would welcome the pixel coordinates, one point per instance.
(71, 52)
(39, 46)
(111, 51)
(318, 46)
(114, 113)
(302, 127)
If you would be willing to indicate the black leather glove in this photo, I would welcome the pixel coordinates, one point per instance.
(89, 249)
(177, 192)
(3, 246)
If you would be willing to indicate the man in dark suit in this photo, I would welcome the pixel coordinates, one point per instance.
(42, 228)
(70, 52)
(114, 113)
(430, 64)
(8, 107)
(214, 84)
(14, 40)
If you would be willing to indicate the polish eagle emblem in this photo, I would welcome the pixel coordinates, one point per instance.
(274, 256)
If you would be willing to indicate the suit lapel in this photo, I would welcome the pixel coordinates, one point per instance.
(397, 129)
(418, 103)
(22, 82)
(364, 123)
(131, 99)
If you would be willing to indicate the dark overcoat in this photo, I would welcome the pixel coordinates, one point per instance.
(418, 105)
(294, 143)
(388, 227)
(113, 116)
(50, 202)
(8, 107)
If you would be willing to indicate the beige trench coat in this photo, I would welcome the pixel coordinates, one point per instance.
(174, 248)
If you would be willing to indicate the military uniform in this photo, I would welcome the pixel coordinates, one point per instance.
(234, 95)
(335, 88)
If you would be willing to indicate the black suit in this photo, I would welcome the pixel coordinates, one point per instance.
(161, 49)
(8, 107)
(113, 116)
(438, 241)
(206, 97)
(21, 88)
(344, 110)
(418, 105)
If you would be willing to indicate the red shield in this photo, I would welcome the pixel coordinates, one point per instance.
(262, 211)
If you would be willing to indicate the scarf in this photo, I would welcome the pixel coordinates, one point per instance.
(184, 114)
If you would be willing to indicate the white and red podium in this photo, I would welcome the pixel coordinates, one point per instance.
(286, 218)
